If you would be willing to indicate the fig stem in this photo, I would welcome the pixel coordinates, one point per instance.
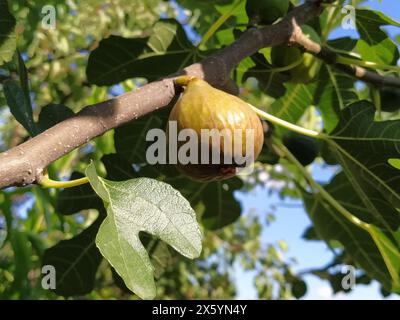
(277, 69)
(46, 182)
(287, 125)
(366, 64)
(183, 80)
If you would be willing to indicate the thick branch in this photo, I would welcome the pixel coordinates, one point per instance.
(25, 163)
(330, 57)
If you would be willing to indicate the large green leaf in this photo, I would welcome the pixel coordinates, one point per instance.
(363, 148)
(8, 41)
(166, 51)
(334, 90)
(341, 188)
(142, 205)
(293, 104)
(214, 202)
(76, 261)
(370, 249)
(223, 209)
(375, 45)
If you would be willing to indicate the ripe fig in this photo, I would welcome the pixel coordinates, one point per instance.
(266, 11)
(203, 107)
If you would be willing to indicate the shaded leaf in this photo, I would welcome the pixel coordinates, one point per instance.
(118, 168)
(73, 200)
(52, 114)
(116, 59)
(221, 207)
(344, 43)
(363, 147)
(371, 250)
(272, 83)
(130, 140)
(20, 108)
(76, 262)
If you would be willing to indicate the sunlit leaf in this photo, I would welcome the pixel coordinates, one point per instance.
(142, 205)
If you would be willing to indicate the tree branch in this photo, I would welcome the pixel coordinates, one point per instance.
(24, 164)
(330, 57)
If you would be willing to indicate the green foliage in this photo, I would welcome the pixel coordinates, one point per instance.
(8, 41)
(390, 99)
(136, 214)
(165, 51)
(76, 261)
(371, 250)
(19, 105)
(375, 45)
(363, 155)
(267, 12)
(305, 149)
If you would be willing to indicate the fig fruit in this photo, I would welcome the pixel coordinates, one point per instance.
(203, 108)
(282, 56)
(266, 11)
(305, 149)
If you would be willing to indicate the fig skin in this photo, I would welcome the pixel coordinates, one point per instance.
(203, 107)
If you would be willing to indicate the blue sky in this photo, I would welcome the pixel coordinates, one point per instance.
(291, 221)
